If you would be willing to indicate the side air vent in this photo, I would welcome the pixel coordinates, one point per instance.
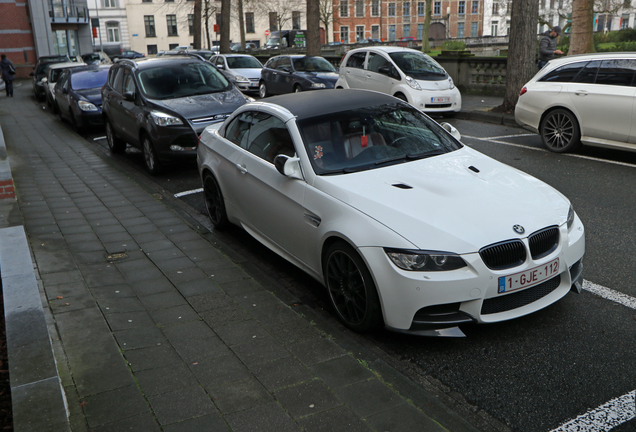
(472, 168)
(402, 186)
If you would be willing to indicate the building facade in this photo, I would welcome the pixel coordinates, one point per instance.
(109, 22)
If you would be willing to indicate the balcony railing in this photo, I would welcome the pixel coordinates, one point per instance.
(67, 12)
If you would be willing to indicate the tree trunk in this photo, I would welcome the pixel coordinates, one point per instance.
(225, 26)
(207, 23)
(522, 50)
(582, 39)
(196, 43)
(241, 24)
(427, 24)
(313, 27)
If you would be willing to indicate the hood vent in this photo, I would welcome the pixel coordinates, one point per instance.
(472, 168)
(402, 186)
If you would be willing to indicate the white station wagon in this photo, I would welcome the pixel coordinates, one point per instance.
(404, 225)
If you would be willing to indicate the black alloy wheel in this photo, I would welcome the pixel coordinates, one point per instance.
(150, 156)
(351, 288)
(115, 145)
(214, 202)
(560, 131)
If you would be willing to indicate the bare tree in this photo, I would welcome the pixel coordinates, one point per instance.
(522, 49)
(313, 27)
(326, 15)
(196, 43)
(427, 25)
(241, 20)
(282, 8)
(225, 26)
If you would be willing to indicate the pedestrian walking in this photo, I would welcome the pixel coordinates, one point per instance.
(8, 74)
(547, 46)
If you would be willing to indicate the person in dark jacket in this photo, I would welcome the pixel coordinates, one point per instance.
(547, 46)
(7, 76)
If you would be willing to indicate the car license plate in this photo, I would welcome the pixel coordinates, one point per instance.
(444, 99)
(529, 277)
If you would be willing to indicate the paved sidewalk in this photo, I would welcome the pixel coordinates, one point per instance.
(155, 329)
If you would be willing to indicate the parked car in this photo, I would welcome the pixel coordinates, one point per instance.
(242, 69)
(296, 73)
(54, 72)
(128, 54)
(581, 99)
(249, 46)
(96, 58)
(40, 70)
(390, 211)
(160, 105)
(78, 95)
(405, 73)
(202, 54)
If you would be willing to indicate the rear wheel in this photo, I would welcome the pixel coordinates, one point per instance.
(560, 131)
(150, 156)
(115, 145)
(214, 202)
(297, 88)
(262, 90)
(351, 288)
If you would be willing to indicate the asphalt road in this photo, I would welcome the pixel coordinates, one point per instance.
(531, 374)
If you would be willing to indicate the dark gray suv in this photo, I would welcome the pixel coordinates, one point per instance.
(161, 106)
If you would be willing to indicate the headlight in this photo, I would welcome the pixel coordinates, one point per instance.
(163, 119)
(451, 83)
(239, 78)
(87, 106)
(412, 83)
(415, 260)
(570, 221)
(317, 85)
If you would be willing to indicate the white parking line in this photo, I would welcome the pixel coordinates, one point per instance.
(190, 192)
(510, 136)
(99, 138)
(610, 294)
(604, 418)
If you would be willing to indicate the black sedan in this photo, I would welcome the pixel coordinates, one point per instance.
(129, 54)
(295, 73)
(78, 95)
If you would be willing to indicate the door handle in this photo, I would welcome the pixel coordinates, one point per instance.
(580, 93)
(242, 168)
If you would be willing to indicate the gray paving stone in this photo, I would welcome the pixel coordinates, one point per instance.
(113, 292)
(80, 237)
(163, 300)
(152, 286)
(271, 314)
(219, 317)
(282, 373)
(191, 246)
(307, 398)
(217, 371)
(123, 237)
(256, 298)
(156, 245)
(241, 332)
(209, 301)
(151, 236)
(316, 351)
(240, 395)
(144, 272)
(244, 288)
(88, 246)
(295, 330)
(197, 287)
(62, 277)
(183, 404)
(107, 407)
(65, 290)
(341, 419)
(129, 320)
(404, 417)
(80, 300)
(175, 264)
(230, 274)
(92, 257)
(260, 350)
(341, 372)
(264, 418)
(110, 229)
(186, 275)
(165, 254)
(141, 229)
(208, 423)
(195, 341)
(39, 407)
(120, 304)
(145, 422)
(98, 275)
(377, 397)
(174, 315)
(143, 337)
(152, 357)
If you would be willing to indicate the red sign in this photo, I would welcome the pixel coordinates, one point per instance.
(216, 28)
(266, 32)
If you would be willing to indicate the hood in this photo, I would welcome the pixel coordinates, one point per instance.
(93, 95)
(321, 77)
(198, 106)
(443, 204)
(443, 84)
(247, 73)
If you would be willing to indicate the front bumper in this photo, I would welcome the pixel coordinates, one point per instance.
(249, 87)
(425, 302)
(426, 100)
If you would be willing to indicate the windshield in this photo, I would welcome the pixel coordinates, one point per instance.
(89, 79)
(273, 41)
(243, 63)
(181, 80)
(312, 64)
(368, 138)
(418, 65)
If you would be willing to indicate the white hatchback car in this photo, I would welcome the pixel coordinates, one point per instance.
(405, 73)
(585, 99)
(403, 224)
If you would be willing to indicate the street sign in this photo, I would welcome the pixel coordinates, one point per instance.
(266, 32)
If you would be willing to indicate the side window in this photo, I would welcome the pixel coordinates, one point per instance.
(376, 61)
(119, 79)
(238, 130)
(564, 73)
(357, 60)
(219, 61)
(284, 62)
(269, 137)
(272, 63)
(129, 83)
(587, 75)
(616, 72)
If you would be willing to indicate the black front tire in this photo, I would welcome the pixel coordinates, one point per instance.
(351, 288)
(297, 89)
(560, 131)
(262, 90)
(214, 202)
(115, 145)
(153, 165)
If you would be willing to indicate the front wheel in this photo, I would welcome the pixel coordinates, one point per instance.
(150, 156)
(214, 202)
(262, 90)
(115, 145)
(560, 131)
(297, 89)
(351, 288)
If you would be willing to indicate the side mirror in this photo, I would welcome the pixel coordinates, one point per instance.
(45, 80)
(452, 130)
(385, 70)
(288, 166)
(286, 69)
(129, 96)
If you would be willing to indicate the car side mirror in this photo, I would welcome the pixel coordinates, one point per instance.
(286, 69)
(220, 66)
(384, 70)
(288, 166)
(45, 80)
(452, 130)
(129, 96)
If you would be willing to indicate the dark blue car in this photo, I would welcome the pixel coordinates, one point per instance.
(78, 95)
(295, 73)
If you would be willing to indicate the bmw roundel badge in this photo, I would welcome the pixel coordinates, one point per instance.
(518, 229)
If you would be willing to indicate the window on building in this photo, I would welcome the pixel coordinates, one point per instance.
(151, 49)
(495, 8)
(191, 24)
(149, 23)
(624, 21)
(375, 31)
(172, 46)
(508, 27)
(461, 8)
(273, 21)
(344, 34)
(552, 2)
(474, 29)
(375, 7)
(147, 1)
(406, 9)
(169, 1)
(391, 9)
(359, 33)
(494, 27)
(112, 31)
(359, 8)
(171, 20)
(110, 3)
(296, 20)
(392, 32)
(344, 8)
(437, 8)
(249, 22)
(406, 30)
(421, 8)
(475, 8)
(460, 29)
(420, 32)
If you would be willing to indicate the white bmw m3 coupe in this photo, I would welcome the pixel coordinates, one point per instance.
(404, 225)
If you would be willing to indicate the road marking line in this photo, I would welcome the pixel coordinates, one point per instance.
(546, 151)
(99, 138)
(510, 136)
(604, 418)
(610, 294)
(190, 192)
